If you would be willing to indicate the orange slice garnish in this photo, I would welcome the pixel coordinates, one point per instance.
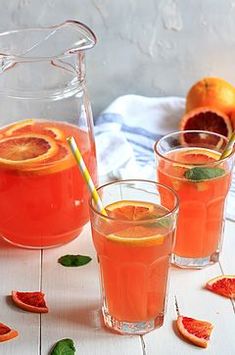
(136, 235)
(196, 156)
(26, 149)
(130, 210)
(20, 127)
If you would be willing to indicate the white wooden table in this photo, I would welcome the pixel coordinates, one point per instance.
(72, 295)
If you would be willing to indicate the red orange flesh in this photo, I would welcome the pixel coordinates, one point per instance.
(196, 331)
(223, 285)
(30, 301)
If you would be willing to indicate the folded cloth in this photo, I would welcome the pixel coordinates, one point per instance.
(125, 133)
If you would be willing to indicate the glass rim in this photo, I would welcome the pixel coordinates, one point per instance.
(172, 210)
(89, 33)
(216, 162)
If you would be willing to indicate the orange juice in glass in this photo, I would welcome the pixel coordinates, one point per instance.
(188, 162)
(133, 244)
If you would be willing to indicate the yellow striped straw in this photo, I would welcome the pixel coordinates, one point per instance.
(229, 147)
(87, 177)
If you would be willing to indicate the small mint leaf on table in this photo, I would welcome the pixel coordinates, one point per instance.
(63, 347)
(201, 173)
(74, 260)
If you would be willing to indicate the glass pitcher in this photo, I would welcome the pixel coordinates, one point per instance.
(43, 99)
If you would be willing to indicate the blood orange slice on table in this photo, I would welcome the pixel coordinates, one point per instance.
(223, 285)
(26, 149)
(6, 333)
(196, 331)
(30, 301)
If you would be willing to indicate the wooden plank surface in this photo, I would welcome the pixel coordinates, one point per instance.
(72, 295)
(19, 270)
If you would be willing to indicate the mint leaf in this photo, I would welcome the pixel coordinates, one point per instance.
(164, 222)
(74, 260)
(64, 347)
(200, 173)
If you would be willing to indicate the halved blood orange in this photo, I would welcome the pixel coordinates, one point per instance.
(6, 333)
(224, 285)
(205, 119)
(30, 301)
(196, 331)
(20, 127)
(135, 235)
(26, 149)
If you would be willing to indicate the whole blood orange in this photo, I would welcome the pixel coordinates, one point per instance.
(30, 301)
(7, 333)
(224, 285)
(213, 92)
(196, 331)
(207, 119)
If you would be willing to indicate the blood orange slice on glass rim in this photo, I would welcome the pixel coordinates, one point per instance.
(135, 235)
(223, 285)
(130, 210)
(30, 301)
(6, 333)
(196, 331)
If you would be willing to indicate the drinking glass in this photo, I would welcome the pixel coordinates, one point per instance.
(187, 161)
(43, 96)
(133, 244)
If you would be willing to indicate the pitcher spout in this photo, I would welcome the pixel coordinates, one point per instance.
(51, 42)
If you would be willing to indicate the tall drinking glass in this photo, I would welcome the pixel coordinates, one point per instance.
(187, 161)
(43, 96)
(134, 243)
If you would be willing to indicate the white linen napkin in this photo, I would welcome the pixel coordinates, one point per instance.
(125, 133)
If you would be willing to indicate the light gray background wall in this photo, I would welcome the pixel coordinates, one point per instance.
(147, 47)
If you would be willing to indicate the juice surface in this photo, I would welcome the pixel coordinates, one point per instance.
(43, 203)
(201, 203)
(134, 262)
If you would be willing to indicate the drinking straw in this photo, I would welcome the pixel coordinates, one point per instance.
(229, 147)
(85, 173)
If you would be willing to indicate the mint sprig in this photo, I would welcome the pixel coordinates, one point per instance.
(203, 173)
(64, 347)
(74, 260)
